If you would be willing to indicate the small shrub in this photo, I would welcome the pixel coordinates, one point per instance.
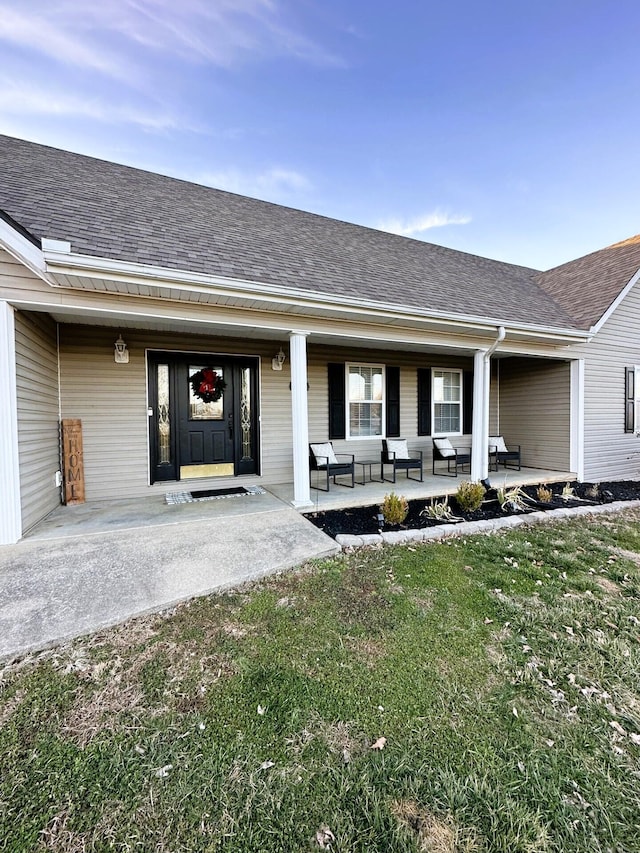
(394, 508)
(440, 511)
(544, 494)
(567, 492)
(593, 492)
(514, 499)
(469, 496)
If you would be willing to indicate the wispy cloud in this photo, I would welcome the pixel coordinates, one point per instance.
(419, 224)
(221, 32)
(19, 98)
(104, 36)
(50, 32)
(274, 184)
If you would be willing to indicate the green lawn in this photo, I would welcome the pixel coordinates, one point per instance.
(503, 671)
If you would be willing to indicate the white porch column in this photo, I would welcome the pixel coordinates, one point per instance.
(10, 511)
(576, 444)
(479, 439)
(299, 419)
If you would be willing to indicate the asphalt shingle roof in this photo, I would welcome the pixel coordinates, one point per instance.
(113, 211)
(586, 287)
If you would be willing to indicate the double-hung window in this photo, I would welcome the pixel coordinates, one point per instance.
(446, 397)
(632, 400)
(365, 391)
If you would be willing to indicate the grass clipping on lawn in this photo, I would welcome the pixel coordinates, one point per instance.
(479, 694)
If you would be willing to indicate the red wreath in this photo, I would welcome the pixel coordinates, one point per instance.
(207, 384)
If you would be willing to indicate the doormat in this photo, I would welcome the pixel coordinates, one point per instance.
(213, 494)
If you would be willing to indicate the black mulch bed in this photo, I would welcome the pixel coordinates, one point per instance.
(364, 519)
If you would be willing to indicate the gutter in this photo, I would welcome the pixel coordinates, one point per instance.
(61, 261)
(501, 336)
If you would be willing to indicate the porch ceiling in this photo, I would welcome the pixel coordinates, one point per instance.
(302, 305)
(191, 326)
(362, 330)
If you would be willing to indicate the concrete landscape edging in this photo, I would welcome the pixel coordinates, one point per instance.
(468, 528)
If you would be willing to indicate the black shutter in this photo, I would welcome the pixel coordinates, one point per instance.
(337, 412)
(393, 400)
(467, 402)
(424, 401)
(630, 399)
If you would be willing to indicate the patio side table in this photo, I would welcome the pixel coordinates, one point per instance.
(367, 463)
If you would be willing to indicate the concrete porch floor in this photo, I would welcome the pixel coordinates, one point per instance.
(341, 497)
(142, 513)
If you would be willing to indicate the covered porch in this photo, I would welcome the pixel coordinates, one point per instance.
(516, 382)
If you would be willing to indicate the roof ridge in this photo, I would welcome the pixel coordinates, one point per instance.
(635, 238)
(588, 286)
(629, 241)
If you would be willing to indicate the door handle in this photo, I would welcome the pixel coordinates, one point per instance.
(230, 419)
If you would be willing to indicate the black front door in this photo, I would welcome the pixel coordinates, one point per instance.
(206, 428)
(203, 412)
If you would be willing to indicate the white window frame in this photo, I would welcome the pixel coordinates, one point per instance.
(636, 400)
(460, 403)
(383, 423)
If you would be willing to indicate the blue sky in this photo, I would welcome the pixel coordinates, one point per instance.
(503, 128)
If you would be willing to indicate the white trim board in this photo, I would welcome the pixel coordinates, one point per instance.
(63, 264)
(10, 503)
(623, 293)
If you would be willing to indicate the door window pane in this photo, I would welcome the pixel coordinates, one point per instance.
(164, 423)
(202, 380)
(245, 412)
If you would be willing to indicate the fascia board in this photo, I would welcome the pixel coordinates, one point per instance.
(341, 337)
(93, 267)
(623, 293)
(24, 251)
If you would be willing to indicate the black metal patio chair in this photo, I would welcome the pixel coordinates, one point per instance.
(324, 460)
(500, 454)
(455, 457)
(395, 453)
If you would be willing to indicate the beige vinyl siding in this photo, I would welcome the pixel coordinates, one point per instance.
(609, 452)
(369, 448)
(535, 410)
(494, 399)
(18, 281)
(111, 401)
(38, 431)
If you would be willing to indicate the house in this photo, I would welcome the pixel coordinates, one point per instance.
(118, 287)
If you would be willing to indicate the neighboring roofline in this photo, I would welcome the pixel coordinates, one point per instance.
(623, 293)
(63, 263)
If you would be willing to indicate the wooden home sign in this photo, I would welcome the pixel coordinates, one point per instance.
(72, 462)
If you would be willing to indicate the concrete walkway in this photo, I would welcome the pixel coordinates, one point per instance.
(88, 567)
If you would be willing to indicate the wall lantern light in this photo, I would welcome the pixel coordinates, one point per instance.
(278, 361)
(121, 353)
